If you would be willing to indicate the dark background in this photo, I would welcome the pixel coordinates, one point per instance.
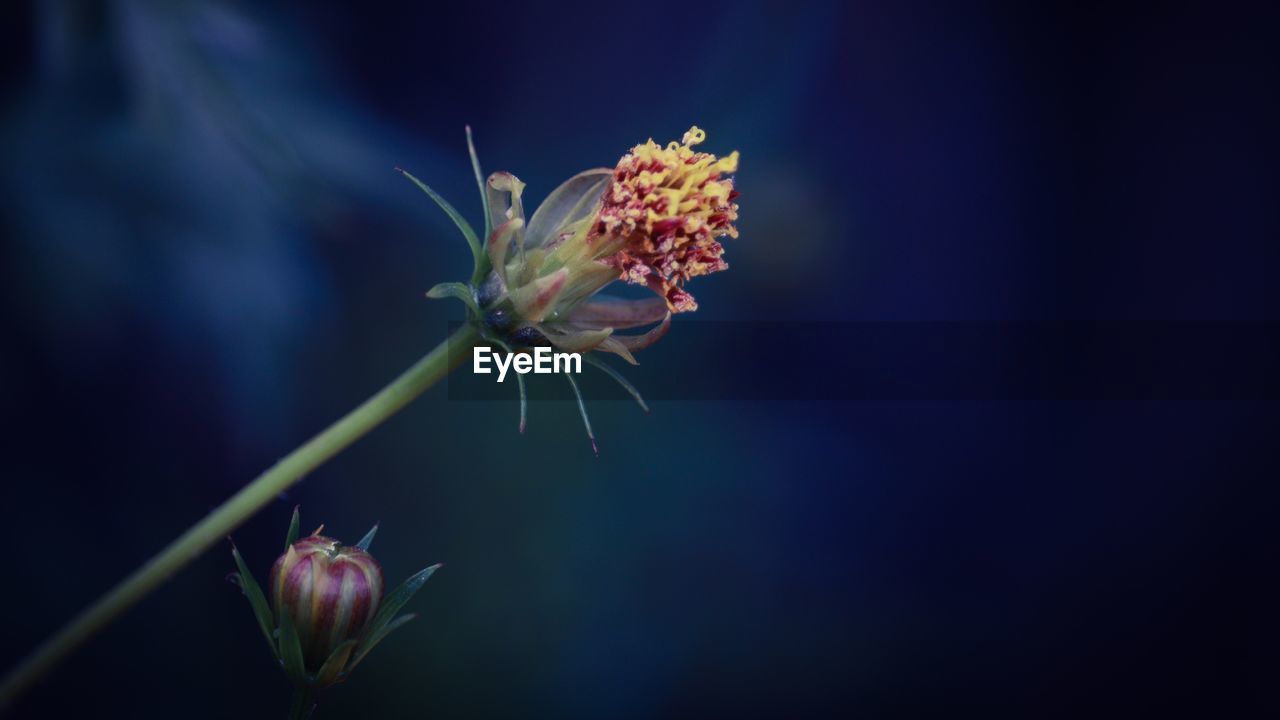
(207, 258)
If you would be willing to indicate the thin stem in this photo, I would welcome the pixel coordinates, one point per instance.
(303, 702)
(252, 498)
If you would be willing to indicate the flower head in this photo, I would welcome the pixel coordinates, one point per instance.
(655, 219)
(670, 204)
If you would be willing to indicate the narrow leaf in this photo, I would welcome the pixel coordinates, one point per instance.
(291, 650)
(484, 194)
(376, 637)
(392, 603)
(294, 527)
(582, 408)
(458, 220)
(257, 600)
(617, 377)
(367, 539)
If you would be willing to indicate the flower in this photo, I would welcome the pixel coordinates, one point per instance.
(670, 204)
(331, 592)
(655, 219)
(327, 607)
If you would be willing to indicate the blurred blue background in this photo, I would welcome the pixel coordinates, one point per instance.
(207, 258)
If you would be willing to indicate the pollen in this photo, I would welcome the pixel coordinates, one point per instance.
(670, 205)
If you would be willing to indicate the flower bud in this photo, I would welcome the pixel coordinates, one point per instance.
(331, 592)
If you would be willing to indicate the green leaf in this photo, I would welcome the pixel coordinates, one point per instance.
(458, 290)
(294, 526)
(457, 218)
(617, 376)
(376, 637)
(367, 539)
(582, 409)
(291, 650)
(334, 666)
(257, 600)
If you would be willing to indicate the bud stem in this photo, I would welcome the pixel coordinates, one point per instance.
(252, 498)
(303, 703)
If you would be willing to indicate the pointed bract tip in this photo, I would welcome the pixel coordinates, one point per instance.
(367, 540)
(595, 448)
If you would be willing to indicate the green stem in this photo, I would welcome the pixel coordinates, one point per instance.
(303, 701)
(252, 498)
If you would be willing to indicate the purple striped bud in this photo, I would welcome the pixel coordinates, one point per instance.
(331, 592)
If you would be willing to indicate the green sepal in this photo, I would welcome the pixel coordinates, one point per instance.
(386, 621)
(257, 600)
(376, 637)
(367, 540)
(454, 215)
(458, 290)
(579, 341)
(291, 650)
(294, 528)
(537, 298)
(336, 665)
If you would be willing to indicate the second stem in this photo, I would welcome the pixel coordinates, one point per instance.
(252, 498)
